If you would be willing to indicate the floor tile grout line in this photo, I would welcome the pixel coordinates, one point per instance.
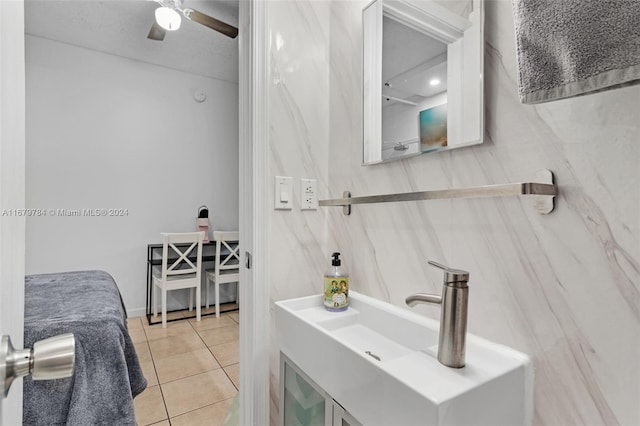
(229, 377)
(199, 337)
(167, 408)
(195, 350)
(182, 353)
(191, 375)
(200, 408)
(214, 356)
(168, 418)
(220, 367)
(210, 351)
(155, 370)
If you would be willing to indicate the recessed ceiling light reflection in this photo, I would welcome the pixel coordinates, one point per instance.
(434, 82)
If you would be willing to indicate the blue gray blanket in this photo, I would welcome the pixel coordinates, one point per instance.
(107, 373)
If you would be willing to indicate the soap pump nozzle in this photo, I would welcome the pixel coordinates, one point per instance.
(335, 261)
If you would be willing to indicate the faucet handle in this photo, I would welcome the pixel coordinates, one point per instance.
(451, 275)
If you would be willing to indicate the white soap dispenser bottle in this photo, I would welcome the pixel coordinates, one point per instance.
(336, 286)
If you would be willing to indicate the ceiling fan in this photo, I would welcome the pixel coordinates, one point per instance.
(167, 18)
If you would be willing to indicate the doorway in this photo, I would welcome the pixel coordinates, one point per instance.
(254, 331)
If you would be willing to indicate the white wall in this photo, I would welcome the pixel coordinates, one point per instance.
(562, 288)
(108, 132)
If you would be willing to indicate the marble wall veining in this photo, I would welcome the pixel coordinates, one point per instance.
(298, 133)
(298, 137)
(563, 288)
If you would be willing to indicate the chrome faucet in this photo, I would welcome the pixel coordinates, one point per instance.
(453, 318)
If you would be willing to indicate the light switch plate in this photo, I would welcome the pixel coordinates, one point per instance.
(283, 197)
(308, 194)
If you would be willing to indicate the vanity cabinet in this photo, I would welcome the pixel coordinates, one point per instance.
(304, 403)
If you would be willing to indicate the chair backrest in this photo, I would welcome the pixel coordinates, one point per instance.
(181, 245)
(229, 242)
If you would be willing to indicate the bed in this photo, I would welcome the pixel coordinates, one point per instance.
(107, 372)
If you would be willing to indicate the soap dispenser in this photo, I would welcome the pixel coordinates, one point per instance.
(336, 286)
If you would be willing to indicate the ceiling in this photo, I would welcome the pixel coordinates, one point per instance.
(120, 28)
(411, 60)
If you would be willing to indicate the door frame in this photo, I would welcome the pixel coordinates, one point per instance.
(12, 190)
(253, 171)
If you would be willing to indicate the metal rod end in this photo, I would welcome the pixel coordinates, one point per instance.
(545, 203)
(346, 210)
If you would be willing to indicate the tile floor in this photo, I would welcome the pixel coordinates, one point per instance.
(191, 368)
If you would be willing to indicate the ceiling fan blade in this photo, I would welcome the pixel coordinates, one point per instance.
(213, 23)
(156, 32)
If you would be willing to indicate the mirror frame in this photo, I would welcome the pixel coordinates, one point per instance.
(465, 67)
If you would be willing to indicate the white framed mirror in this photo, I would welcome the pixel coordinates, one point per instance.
(422, 77)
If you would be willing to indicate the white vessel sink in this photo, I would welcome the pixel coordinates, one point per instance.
(379, 362)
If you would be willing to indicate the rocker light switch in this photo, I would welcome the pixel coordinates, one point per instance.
(283, 193)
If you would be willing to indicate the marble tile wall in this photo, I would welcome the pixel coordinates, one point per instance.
(298, 133)
(563, 288)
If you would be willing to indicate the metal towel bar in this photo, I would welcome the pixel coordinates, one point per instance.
(544, 190)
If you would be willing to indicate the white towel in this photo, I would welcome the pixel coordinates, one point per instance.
(575, 47)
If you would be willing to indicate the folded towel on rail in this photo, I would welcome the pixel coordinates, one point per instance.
(575, 47)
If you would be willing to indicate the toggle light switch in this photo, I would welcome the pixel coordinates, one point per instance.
(283, 193)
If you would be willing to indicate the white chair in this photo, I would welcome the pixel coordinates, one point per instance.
(182, 272)
(227, 269)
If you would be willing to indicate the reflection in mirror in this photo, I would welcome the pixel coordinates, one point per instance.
(422, 75)
(414, 91)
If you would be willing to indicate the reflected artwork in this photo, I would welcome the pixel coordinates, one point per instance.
(433, 128)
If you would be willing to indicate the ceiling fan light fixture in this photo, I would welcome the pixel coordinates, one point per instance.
(168, 18)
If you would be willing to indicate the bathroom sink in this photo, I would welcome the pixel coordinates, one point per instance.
(379, 362)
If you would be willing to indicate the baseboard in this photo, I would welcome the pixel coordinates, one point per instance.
(136, 312)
